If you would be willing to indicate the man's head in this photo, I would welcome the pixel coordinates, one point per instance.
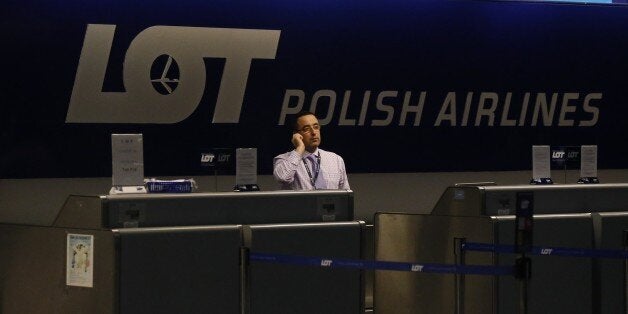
(306, 124)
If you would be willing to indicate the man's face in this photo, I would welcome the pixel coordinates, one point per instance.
(309, 128)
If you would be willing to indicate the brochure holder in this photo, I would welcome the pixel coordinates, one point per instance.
(127, 160)
(588, 165)
(541, 173)
(127, 190)
(246, 170)
(541, 181)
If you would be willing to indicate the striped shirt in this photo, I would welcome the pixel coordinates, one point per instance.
(289, 170)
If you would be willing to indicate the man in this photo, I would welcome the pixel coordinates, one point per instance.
(308, 167)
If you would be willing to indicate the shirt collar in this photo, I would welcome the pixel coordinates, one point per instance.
(317, 152)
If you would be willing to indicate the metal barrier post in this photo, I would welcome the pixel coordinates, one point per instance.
(459, 285)
(524, 267)
(244, 280)
(524, 221)
(625, 238)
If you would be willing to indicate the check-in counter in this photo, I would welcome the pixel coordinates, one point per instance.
(182, 253)
(572, 216)
(157, 210)
(495, 200)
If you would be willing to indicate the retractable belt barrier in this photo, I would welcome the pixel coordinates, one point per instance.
(438, 268)
(546, 250)
(381, 265)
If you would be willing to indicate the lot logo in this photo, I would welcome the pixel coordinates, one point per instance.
(218, 158)
(565, 157)
(558, 154)
(416, 267)
(208, 158)
(158, 88)
(165, 74)
(546, 251)
(326, 262)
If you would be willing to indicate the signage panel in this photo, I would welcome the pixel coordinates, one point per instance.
(401, 86)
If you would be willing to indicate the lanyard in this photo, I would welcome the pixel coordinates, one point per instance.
(318, 169)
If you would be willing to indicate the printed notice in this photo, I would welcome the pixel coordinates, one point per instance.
(540, 162)
(588, 161)
(246, 166)
(80, 260)
(127, 158)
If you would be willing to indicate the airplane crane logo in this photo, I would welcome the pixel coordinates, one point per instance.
(165, 74)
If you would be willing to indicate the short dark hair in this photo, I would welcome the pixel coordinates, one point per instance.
(295, 119)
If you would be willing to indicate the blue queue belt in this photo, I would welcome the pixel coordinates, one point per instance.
(546, 250)
(381, 265)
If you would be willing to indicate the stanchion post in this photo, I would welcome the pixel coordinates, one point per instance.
(625, 240)
(523, 273)
(523, 243)
(459, 285)
(244, 280)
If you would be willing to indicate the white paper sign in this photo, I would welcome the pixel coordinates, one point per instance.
(80, 260)
(246, 166)
(588, 161)
(541, 162)
(127, 159)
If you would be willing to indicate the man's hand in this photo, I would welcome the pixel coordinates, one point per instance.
(297, 141)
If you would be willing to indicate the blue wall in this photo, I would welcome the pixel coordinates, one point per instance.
(478, 81)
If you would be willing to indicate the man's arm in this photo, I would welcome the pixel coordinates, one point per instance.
(285, 167)
(344, 181)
